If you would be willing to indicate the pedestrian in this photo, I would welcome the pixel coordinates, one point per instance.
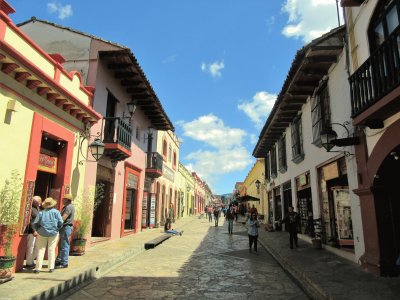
(46, 226)
(253, 209)
(230, 216)
(210, 212)
(291, 224)
(216, 216)
(235, 209)
(252, 230)
(168, 229)
(67, 213)
(32, 244)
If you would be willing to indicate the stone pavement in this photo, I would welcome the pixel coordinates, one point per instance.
(98, 259)
(320, 273)
(324, 275)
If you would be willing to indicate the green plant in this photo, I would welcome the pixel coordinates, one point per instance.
(99, 195)
(84, 211)
(10, 198)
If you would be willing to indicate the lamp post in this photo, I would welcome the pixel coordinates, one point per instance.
(257, 183)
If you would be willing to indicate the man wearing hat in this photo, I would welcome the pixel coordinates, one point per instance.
(46, 226)
(67, 213)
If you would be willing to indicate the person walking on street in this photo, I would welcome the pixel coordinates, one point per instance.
(230, 216)
(252, 225)
(46, 226)
(210, 212)
(235, 209)
(67, 213)
(291, 223)
(32, 244)
(216, 216)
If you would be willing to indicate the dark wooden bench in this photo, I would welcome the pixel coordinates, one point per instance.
(157, 241)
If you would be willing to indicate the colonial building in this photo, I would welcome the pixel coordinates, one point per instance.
(373, 33)
(131, 113)
(46, 113)
(307, 143)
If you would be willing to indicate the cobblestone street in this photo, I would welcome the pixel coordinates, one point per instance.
(204, 263)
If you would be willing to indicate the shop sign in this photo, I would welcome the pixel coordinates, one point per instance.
(152, 210)
(168, 173)
(29, 190)
(132, 181)
(144, 210)
(331, 171)
(47, 163)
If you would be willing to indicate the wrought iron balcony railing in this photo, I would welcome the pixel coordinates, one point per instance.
(377, 76)
(116, 131)
(154, 168)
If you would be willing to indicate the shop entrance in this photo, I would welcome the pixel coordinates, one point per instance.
(130, 210)
(386, 193)
(47, 182)
(102, 209)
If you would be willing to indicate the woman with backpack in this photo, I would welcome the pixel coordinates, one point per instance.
(252, 225)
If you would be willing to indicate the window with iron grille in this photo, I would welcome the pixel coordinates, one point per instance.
(274, 172)
(267, 168)
(282, 154)
(320, 113)
(297, 140)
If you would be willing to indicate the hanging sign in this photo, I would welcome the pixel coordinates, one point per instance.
(144, 210)
(28, 197)
(152, 210)
(132, 181)
(47, 163)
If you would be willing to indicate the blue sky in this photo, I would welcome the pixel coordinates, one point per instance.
(216, 65)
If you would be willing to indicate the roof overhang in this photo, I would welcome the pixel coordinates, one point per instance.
(132, 78)
(246, 198)
(309, 67)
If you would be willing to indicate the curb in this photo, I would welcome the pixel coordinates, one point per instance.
(306, 284)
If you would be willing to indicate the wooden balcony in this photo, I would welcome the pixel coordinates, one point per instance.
(117, 138)
(154, 165)
(378, 76)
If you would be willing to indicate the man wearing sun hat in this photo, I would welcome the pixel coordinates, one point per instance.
(46, 226)
(67, 213)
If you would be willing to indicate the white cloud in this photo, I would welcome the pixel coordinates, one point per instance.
(226, 153)
(63, 11)
(309, 19)
(214, 68)
(253, 139)
(212, 131)
(270, 22)
(259, 107)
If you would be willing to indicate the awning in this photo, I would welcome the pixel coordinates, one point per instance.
(248, 198)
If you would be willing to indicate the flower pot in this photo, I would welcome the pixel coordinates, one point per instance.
(78, 247)
(6, 268)
(317, 243)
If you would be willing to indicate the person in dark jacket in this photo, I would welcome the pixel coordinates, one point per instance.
(291, 223)
(32, 245)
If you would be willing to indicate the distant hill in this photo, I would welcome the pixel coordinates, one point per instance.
(226, 198)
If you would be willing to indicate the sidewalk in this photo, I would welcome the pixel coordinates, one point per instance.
(324, 275)
(97, 260)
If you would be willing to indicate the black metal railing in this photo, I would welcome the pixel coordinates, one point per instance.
(116, 131)
(377, 76)
(155, 162)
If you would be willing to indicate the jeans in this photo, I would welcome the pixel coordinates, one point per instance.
(230, 225)
(293, 238)
(253, 239)
(209, 217)
(51, 243)
(63, 245)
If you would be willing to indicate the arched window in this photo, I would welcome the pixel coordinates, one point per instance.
(164, 149)
(174, 160)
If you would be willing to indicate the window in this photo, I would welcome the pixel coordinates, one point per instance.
(297, 140)
(384, 22)
(164, 149)
(169, 153)
(274, 172)
(137, 133)
(282, 154)
(174, 161)
(320, 113)
(267, 168)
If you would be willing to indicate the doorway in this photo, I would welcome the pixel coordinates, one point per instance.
(102, 209)
(130, 210)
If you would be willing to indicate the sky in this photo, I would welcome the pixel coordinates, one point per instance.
(217, 66)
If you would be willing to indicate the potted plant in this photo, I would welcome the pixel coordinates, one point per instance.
(10, 197)
(84, 212)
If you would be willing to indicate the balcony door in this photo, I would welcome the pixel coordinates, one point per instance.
(109, 127)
